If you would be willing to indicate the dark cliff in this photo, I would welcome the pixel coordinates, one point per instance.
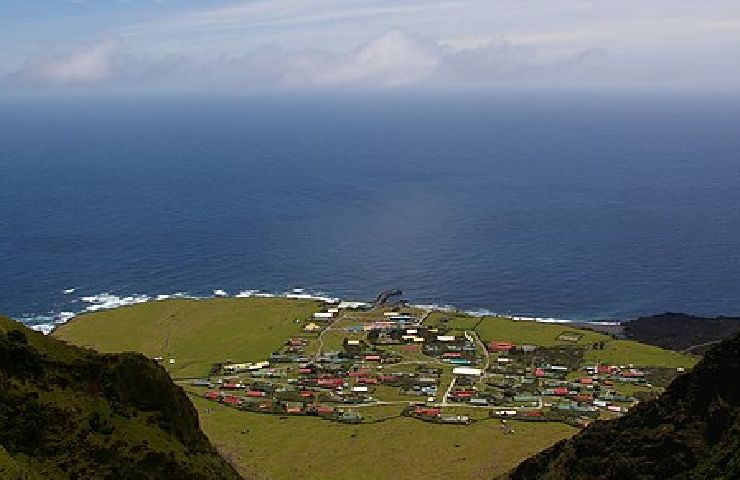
(67, 412)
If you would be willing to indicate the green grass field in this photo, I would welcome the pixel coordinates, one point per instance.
(623, 352)
(199, 333)
(544, 334)
(399, 448)
(619, 352)
(196, 333)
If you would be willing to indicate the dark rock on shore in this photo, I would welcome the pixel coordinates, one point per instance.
(681, 332)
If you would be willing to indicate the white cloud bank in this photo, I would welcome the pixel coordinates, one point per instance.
(89, 64)
(392, 60)
(293, 44)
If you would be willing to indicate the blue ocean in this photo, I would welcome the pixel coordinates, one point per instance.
(586, 206)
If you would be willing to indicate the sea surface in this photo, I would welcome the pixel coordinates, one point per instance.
(582, 206)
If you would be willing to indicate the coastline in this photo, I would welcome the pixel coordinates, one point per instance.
(108, 301)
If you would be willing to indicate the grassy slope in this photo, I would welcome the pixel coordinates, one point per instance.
(402, 448)
(202, 332)
(621, 352)
(520, 332)
(196, 333)
(66, 412)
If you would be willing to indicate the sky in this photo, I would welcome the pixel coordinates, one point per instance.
(255, 45)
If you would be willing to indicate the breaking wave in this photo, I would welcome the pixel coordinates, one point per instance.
(108, 301)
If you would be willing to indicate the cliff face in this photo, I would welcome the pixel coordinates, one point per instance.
(678, 331)
(691, 431)
(66, 412)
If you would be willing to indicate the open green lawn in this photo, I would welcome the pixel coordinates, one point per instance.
(196, 333)
(452, 320)
(619, 352)
(522, 332)
(624, 352)
(398, 448)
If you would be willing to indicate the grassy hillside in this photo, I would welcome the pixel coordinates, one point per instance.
(691, 431)
(399, 448)
(619, 352)
(196, 333)
(66, 412)
(622, 352)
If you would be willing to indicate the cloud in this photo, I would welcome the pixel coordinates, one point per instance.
(89, 64)
(101, 63)
(391, 60)
(398, 59)
(394, 59)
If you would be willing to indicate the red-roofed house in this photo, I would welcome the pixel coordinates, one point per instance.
(330, 382)
(427, 412)
(495, 346)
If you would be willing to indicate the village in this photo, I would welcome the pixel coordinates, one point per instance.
(351, 357)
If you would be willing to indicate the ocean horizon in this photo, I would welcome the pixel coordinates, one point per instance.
(587, 206)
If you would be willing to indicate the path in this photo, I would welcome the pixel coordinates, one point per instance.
(705, 344)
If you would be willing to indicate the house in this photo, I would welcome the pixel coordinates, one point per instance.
(311, 327)
(353, 305)
(294, 408)
(359, 389)
(495, 346)
(461, 419)
(467, 371)
(232, 386)
(201, 382)
(350, 416)
(330, 382)
(296, 342)
(426, 412)
(230, 400)
(324, 410)
(212, 395)
(458, 361)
